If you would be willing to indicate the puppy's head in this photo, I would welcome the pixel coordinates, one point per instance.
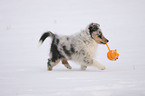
(96, 33)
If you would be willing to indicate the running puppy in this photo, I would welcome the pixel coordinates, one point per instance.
(80, 47)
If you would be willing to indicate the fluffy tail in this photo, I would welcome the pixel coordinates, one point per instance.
(44, 36)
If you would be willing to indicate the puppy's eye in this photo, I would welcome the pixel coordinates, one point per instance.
(100, 32)
(99, 35)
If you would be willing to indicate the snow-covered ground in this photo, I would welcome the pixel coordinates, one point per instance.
(23, 70)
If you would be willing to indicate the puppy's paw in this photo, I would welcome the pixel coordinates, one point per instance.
(83, 68)
(49, 67)
(101, 67)
(67, 66)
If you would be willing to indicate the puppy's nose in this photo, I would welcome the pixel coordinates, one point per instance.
(107, 40)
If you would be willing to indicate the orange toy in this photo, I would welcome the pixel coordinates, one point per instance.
(112, 54)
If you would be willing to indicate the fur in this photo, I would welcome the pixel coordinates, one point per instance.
(80, 47)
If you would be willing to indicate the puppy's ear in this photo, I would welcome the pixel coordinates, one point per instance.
(98, 24)
(93, 27)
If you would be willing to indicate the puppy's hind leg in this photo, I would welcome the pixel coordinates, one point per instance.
(51, 63)
(66, 64)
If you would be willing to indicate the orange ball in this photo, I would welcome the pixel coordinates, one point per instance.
(112, 55)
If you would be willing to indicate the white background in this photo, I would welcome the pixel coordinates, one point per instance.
(23, 70)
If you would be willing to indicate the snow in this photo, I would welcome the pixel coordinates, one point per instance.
(23, 69)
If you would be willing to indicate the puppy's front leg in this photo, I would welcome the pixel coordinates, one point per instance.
(93, 62)
(83, 67)
(66, 64)
(98, 65)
